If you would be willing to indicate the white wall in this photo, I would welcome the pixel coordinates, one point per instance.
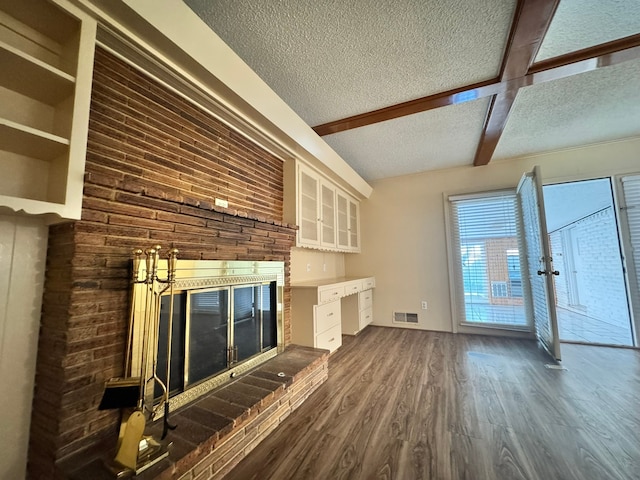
(403, 224)
(23, 249)
(308, 264)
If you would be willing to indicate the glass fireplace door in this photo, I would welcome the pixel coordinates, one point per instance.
(214, 329)
(207, 334)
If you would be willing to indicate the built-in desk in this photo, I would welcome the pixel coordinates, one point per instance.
(322, 310)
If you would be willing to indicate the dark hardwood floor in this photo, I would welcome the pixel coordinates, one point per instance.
(408, 404)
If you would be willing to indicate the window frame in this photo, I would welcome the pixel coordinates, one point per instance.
(458, 317)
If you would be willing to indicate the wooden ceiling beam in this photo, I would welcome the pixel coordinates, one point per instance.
(587, 59)
(581, 61)
(418, 105)
(516, 72)
(530, 24)
(495, 121)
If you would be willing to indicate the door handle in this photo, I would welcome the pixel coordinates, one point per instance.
(547, 272)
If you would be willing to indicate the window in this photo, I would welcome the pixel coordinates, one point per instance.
(488, 282)
(499, 290)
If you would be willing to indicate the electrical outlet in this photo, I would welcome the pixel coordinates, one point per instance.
(424, 304)
(324, 267)
(308, 267)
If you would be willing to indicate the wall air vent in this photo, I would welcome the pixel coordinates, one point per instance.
(403, 317)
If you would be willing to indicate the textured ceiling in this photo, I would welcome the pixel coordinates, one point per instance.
(573, 25)
(440, 138)
(331, 59)
(592, 107)
(334, 58)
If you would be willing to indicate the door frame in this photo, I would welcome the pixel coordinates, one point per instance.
(632, 283)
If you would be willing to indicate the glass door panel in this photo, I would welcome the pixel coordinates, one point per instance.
(268, 314)
(328, 219)
(538, 262)
(246, 325)
(208, 333)
(176, 379)
(309, 208)
(343, 220)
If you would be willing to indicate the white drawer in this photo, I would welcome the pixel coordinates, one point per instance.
(368, 283)
(366, 317)
(352, 287)
(331, 339)
(326, 316)
(331, 293)
(366, 299)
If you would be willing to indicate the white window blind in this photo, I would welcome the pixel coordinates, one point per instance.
(631, 191)
(484, 235)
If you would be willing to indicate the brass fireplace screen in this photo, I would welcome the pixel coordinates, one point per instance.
(226, 317)
(194, 325)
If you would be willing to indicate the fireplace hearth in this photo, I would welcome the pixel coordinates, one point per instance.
(194, 325)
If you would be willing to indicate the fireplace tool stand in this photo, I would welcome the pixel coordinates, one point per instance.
(135, 451)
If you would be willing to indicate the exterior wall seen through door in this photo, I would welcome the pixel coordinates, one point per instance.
(598, 268)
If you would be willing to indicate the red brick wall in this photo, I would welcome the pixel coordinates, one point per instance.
(497, 268)
(155, 163)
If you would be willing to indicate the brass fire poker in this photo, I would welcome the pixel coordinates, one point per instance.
(172, 263)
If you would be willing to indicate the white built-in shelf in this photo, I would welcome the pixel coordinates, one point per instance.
(30, 207)
(33, 77)
(31, 142)
(46, 62)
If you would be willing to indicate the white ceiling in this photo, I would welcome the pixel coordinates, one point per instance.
(579, 24)
(330, 59)
(592, 107)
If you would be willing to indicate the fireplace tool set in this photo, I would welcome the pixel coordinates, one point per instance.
(136, 451)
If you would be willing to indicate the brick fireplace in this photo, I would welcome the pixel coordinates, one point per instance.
(155, 163)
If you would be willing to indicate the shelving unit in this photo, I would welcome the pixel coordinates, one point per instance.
(46, 61)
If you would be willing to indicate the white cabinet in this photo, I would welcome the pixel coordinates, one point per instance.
(358, 309)
(316, 317)
(327, 214)
(46, 62)
(348, 222)
(328, 333)
(308, 207)
(321, 311)
(327, 217)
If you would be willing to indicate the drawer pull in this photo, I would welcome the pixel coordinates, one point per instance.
(330, 314)
(332, 339)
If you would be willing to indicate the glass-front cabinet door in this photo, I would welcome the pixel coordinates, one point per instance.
(342, 203)
(308, 207)
(354, 225)
(328, 215)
